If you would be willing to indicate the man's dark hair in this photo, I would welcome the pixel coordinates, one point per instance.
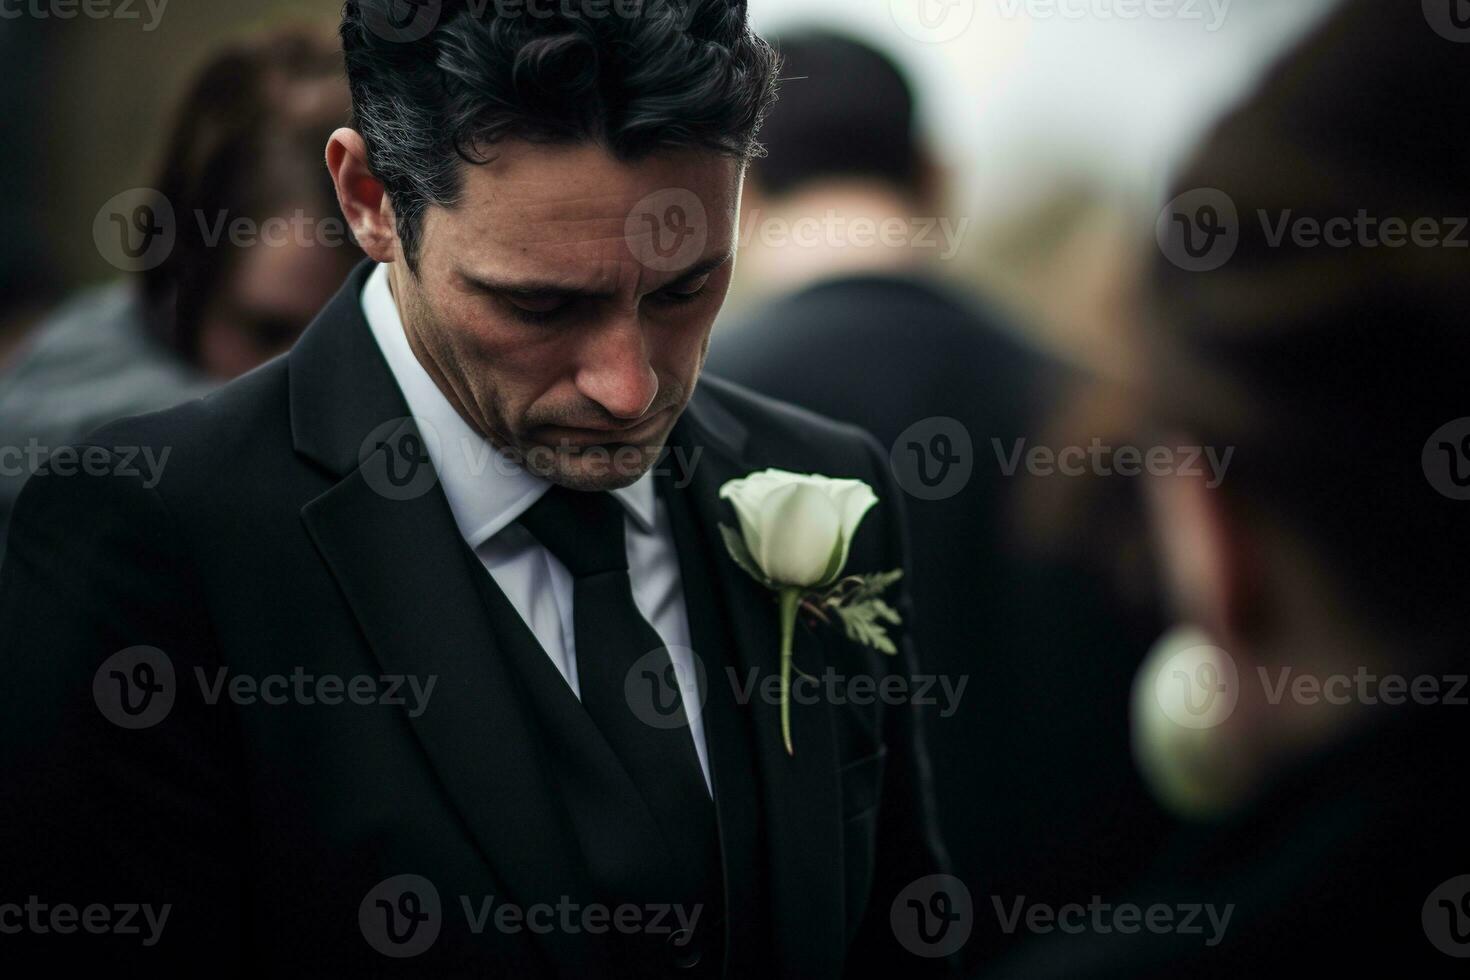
(633, 76)
(846, 110)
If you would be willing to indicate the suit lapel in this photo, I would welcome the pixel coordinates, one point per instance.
(401, 565)
(405, 571)
(800, 797)
(728, 737)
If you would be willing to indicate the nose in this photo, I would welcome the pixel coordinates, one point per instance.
(615, 370)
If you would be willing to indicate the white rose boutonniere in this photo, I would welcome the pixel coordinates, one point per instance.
(795, 532)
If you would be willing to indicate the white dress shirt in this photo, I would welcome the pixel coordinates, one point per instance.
(488, 492)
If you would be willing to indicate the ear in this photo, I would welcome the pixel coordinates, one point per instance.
(1208, 556)
(363, 199)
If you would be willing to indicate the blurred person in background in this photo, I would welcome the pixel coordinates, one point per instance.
(28, 287)
(1037, 790)
(1310, 715)
(258, 247)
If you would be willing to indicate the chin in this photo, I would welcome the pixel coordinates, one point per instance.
(595, 467)
(575, 480)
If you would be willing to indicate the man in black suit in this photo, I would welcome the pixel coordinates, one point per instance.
(388, 667)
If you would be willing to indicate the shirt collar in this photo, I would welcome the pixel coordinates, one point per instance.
(486, 491)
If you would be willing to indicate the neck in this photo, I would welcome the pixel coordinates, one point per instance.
(830, 230)
(421, 353)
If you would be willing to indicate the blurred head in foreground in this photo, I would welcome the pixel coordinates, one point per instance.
(1329, 351)
(844, 156)
(556, 195)
(260, 244)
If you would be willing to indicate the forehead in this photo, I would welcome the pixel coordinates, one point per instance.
(576, 213)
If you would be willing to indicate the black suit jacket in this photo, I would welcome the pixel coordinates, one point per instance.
(1049, 805)
(268, 549)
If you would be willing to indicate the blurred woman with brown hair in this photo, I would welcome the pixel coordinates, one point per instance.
(241, 243)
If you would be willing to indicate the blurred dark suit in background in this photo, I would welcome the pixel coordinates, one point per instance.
(1037, 791)
(204, 304)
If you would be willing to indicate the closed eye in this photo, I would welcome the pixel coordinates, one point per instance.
(543, 308)
(533, 308)
(683, 292)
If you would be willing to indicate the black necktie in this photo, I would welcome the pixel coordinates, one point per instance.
(584, 530)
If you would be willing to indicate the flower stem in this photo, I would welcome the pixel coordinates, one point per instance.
(790, 603)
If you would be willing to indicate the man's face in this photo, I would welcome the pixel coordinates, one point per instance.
(564, 305)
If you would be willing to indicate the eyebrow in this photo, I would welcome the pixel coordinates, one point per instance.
(551, 290)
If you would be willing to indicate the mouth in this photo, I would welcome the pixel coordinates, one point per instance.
(585, 437)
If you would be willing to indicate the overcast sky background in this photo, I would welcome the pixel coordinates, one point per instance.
(1020, 93)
